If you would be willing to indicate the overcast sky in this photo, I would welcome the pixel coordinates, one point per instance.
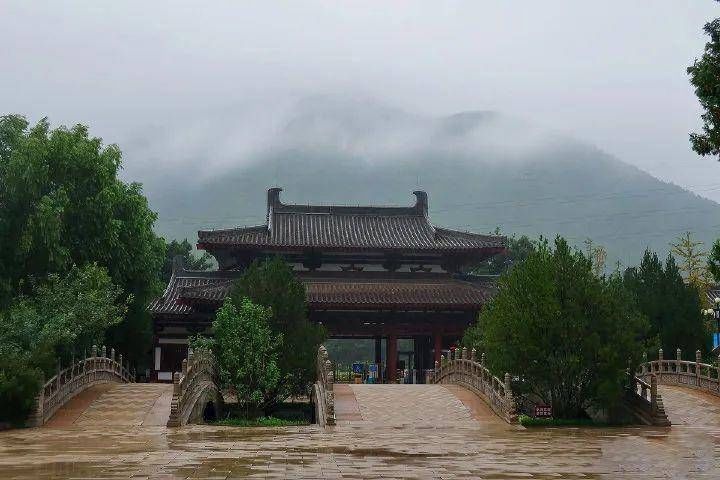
(611, 73)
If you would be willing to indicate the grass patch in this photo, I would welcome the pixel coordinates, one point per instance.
(527, 421)
(261, 422)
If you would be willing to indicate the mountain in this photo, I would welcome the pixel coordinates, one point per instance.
(482, 171)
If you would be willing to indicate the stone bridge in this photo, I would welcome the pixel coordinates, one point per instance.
(461, 389)
(196, 393)
(99, 368)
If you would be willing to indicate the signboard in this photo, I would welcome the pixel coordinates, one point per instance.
(543, 411)
(373, 368)
(358, 368)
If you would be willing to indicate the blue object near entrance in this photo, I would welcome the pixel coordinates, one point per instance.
(358, 368)
(716, 340)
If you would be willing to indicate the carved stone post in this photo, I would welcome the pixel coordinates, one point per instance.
(644, 363)
(698, 361)
(464, 353)
(443, 360)
(653, 392)
(473, 355)
(184, 366)
(122, 365)
(482, 359)
(112, 354)
(660, 361)
(93, 351)
(104, 351)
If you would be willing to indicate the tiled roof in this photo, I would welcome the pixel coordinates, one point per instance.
(380, 294)
(168, 303)
(337, 292)
(362, 228)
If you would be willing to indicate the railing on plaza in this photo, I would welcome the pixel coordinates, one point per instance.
(80, 375)
(465, 370)
(195, 389)
(323, 396)
(698, 375)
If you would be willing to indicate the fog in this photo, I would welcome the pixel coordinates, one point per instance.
(175, 84)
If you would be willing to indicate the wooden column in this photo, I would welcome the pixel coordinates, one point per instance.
(378, 350)
(437, 337)
(391, 358)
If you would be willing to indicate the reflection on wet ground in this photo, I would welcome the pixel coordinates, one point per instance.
(363, 449)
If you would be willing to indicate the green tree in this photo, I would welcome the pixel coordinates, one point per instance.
(190, 260)
(62, 316)
(273, 284)
(517, 251)
(247, 353)
(62, 204)
(566, 333)
(705, 77)
(693, 263)
(713, 264)
(671, 306)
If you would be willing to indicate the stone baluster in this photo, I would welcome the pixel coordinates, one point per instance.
(464, 353)
(660, 361)
(644, 366)
(176, 383)
(473, 355)
(184, 366)
(120, 361)
(482, 359)
(698, 368)
(678, 359)
(93, 351)
(442, 359)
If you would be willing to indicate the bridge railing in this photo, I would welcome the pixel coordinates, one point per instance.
(193, 388)
(698, 375)
(80, 375)
(322, 393)
(465, 370)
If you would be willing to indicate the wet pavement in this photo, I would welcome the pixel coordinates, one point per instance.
(447, 440)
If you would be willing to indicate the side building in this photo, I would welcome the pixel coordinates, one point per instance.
(369, 272)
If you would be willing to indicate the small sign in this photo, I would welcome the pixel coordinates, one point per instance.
(358, 368)
(543, 411)
(373, 368)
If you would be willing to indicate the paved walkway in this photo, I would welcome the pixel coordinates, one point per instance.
(464, 447)
(410, 405)
(685, 406)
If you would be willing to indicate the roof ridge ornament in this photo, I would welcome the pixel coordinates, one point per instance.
(273, 202)
(421, 202)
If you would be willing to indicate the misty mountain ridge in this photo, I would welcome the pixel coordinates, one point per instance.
(481, 169)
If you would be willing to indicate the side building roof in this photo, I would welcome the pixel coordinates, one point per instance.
(336, 291)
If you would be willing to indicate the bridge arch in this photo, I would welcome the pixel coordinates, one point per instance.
(197, 397)
(465, 370)
(79, 376)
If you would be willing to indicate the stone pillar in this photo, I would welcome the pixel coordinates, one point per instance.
(508, 386)
(464, 353)
(93, 351)
(482, 359)
(112, 354)
(184, 366)
(120, 361)
(698, 361)
(473, 355)
(660, 354)
(391, 358)
(437, 339)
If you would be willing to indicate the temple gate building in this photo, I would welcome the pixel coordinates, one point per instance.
(369, 272)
